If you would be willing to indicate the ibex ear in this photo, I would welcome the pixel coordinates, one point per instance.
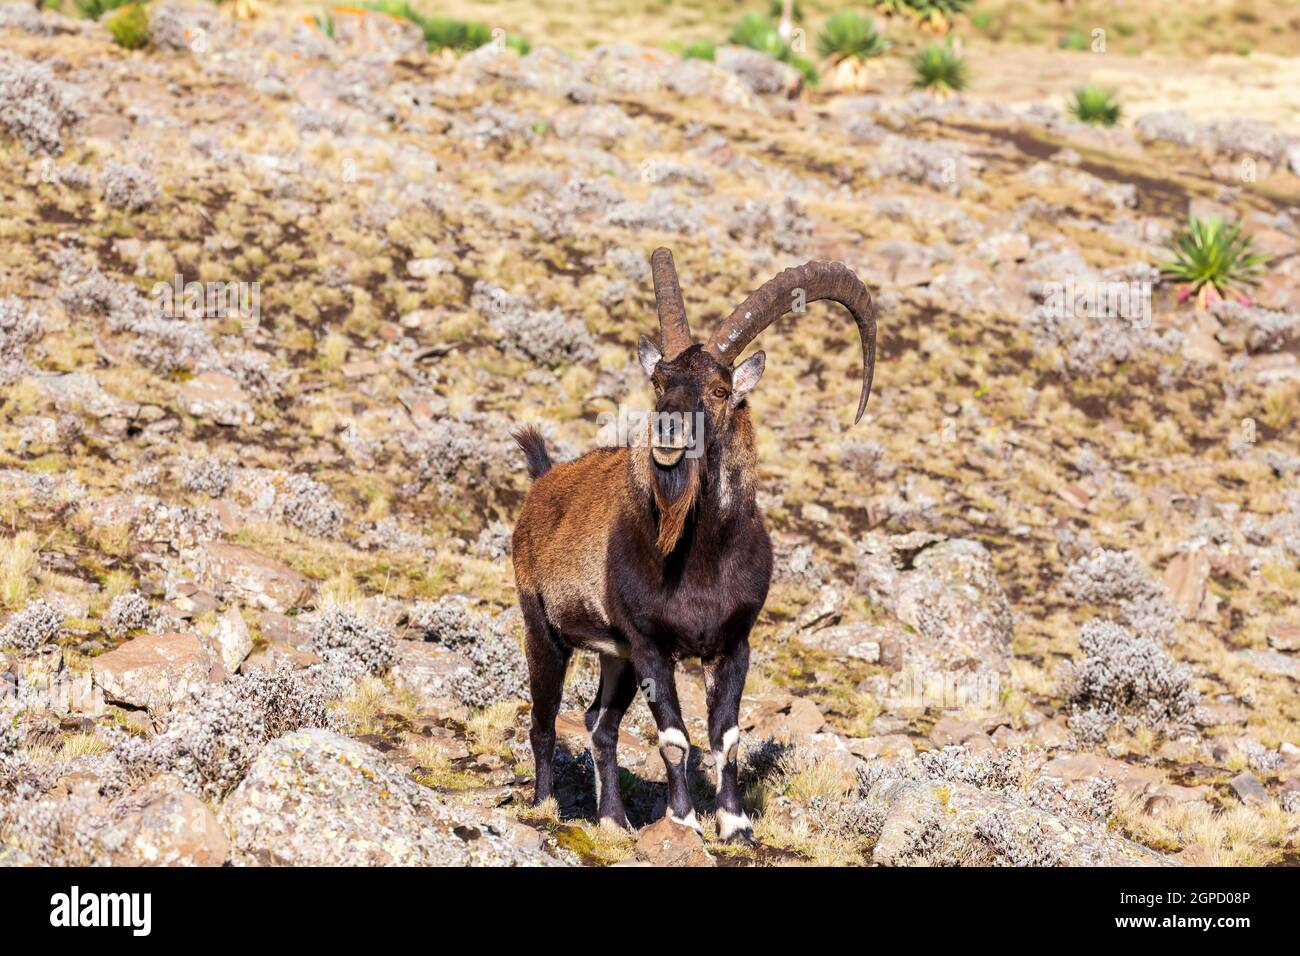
(746, 375)
(648, 355)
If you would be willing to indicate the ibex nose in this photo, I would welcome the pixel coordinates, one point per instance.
(672, 429)
(671, 433)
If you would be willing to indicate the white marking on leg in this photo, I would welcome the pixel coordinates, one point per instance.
(730, 742)
(672, 737)
(690, 820)
(729, 824)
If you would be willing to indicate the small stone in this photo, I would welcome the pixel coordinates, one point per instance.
(885, 745)
(427, 671)
(1185, 580)
(1249, 790)
(949, 732)
(231, 639)
(1052, 733)
(217, 397)
(665, 843)
(1284, 637)
(427, 268)
(1157, 806)
(1272, 662)
(855, 641)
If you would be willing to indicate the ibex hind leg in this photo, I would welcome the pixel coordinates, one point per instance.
(617, 690)
(547, 660)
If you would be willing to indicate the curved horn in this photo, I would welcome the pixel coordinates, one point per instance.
(674, 330)
(776, 297)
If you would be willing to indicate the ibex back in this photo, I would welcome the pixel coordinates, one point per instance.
(657, 552)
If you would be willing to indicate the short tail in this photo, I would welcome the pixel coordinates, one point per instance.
(532, 443)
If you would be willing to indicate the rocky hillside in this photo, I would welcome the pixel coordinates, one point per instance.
(272, 301)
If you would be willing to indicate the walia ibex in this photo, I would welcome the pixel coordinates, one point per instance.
(657, 552)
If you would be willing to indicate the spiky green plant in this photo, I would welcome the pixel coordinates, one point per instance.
(1213, 258)
(700, 50)
(934, 14)
(759, 33)
(129, 26)
(94, 9)
(847, 34)
(776, 7)
(446, 33)
(475, 35)
(939, 69)
(1094, 105)
(923, 8)
(324, 21)
(1074, 40)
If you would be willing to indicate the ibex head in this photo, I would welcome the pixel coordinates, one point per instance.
(700, 398)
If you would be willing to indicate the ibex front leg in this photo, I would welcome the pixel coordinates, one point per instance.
(724, 681)
(654, 672)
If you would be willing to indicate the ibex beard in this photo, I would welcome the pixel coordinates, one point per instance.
(654, 553)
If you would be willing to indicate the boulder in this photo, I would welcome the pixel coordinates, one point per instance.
(1272, 662)
(155, 671)
(857, 640)
(886, 746)
(316, 798)
(286, 640)
(758, 71)
(73, 391)
(780, 717)
(947, 591)
(929, 822)
(427, 670)
(666, 843)
(165, 825)
(1077, 767)
(826, 608)
(819, 626)
(250, 577)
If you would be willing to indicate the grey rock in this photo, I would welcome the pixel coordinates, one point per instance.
(928, 822)
(947, 591)
(1273, 662)
(316, 798)
(759, 72)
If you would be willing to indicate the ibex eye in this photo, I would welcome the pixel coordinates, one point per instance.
(720, 392)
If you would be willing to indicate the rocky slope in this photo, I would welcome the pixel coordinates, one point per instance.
(1037, 609)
